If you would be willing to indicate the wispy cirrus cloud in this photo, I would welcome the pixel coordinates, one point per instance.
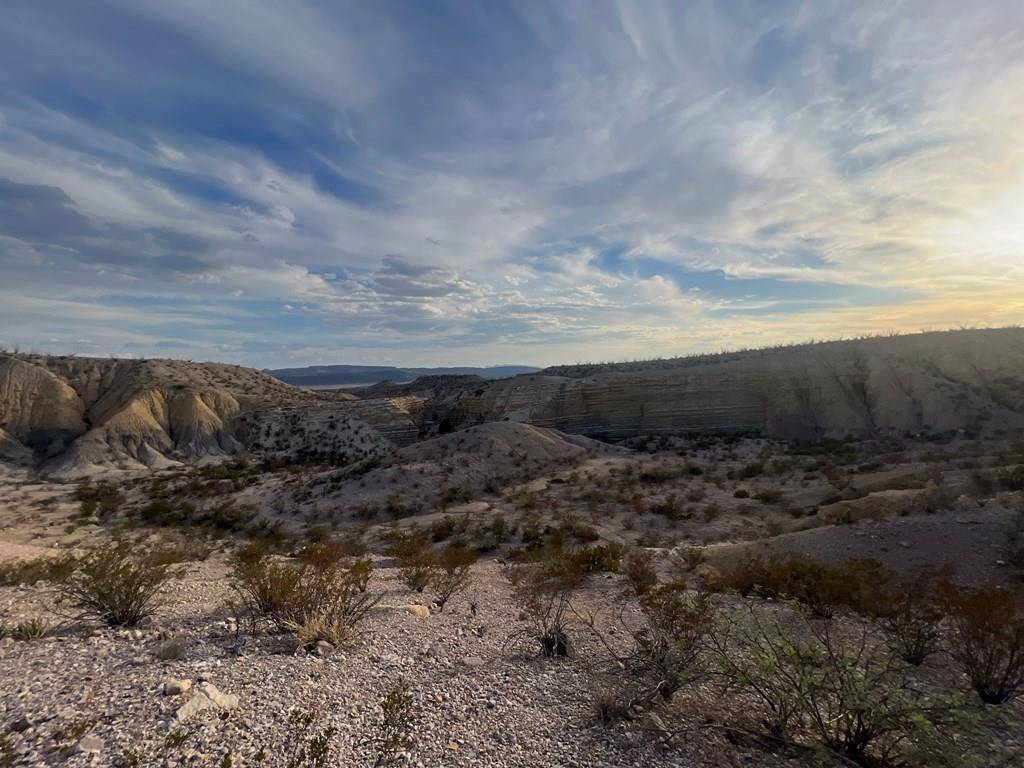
(299, 182)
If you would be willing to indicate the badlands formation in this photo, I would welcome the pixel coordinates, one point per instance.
(74, 416)
(725, 560)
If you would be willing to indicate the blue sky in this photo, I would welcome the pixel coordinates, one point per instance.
(282, 183)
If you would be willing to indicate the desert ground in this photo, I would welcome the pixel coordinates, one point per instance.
(481, 691)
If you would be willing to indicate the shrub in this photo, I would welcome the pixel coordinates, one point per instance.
(600, 558)
(1013, 479)
(29, 572)
(986, 639)
(417, 570)
(911, 615)
(307, 745)
(406, 544)
(451, 574)
(313, 601)
(114, 585)
(806, 682)
(769, 496)
(397, 726)
(820, 587)
(667, 647)
(639, 570)
(27, 630)
(543, 591)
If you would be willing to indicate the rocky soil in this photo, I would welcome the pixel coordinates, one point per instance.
(91, 696)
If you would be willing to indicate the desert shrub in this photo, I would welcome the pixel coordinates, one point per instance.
(313, 601)
(986, 639)
(116, 584)
(102, 497)
(29, 572)
(667, 648)
(809, 683)
(442, 529)
(910, 612)
(307, 745)
(639, 570)
(543, 590)
(822, 588)
(451, 574)
(670, 507)
(330, 551)
(396, 729)
(1012, 479)
(404, 544)
(27, 630)
(599, 558)
(361, 570)
(417, 570)
(769, 496)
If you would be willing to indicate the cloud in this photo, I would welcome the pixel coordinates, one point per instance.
(508, 182)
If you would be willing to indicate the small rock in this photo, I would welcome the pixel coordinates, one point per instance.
(222, 700)
(90, 745)
(206, 697)
(323, 648)
(20, 725)
(173, 687)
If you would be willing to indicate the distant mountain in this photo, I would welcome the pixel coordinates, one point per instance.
(352, 375)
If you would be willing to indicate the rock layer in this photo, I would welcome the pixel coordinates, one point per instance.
(970, 381)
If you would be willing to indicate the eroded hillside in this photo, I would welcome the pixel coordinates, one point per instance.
(931, 383)
(74, 416)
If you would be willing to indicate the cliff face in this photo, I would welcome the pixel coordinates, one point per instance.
(925, 383)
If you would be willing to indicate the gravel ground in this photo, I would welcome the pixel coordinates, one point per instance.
(478, 703)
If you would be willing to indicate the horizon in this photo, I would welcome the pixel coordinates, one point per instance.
(282, 185)
(721, 352)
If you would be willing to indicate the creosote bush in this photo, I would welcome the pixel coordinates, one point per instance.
(417, 570)
(910, 612)
(543, 590)
(29, 572)
(986, 639)
(822, 588)
(451, 574)
(319, 600)
(639, 570)
(117, 583)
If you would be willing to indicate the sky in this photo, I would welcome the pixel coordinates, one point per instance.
(281, 183)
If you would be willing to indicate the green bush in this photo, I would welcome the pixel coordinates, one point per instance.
(810, 683)
(116, 584)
